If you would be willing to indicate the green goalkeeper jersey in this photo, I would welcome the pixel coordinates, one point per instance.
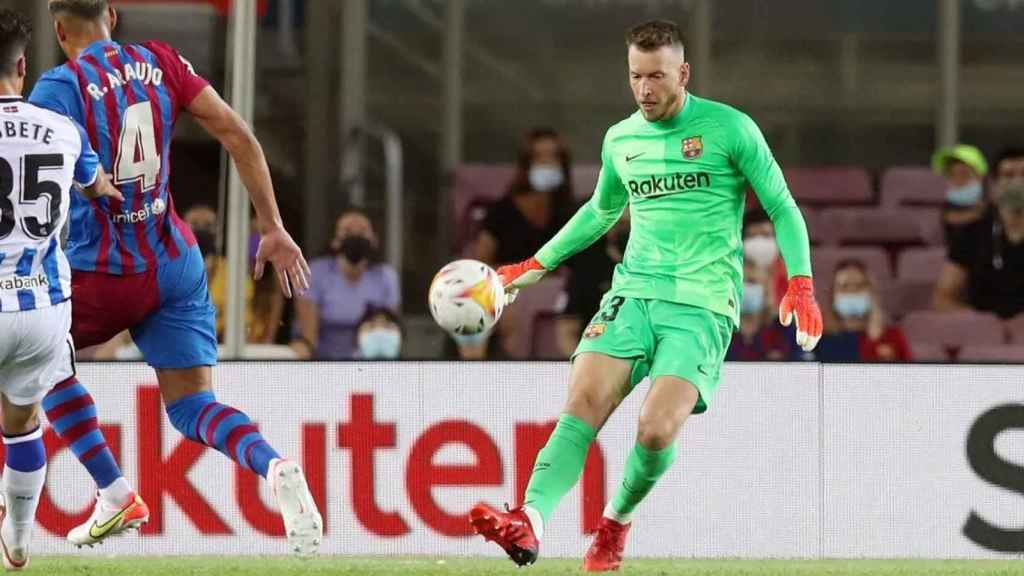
(685, 181)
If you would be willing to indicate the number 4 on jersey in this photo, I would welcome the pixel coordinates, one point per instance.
(137, 156)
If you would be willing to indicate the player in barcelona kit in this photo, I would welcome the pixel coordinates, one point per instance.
(136, 265)
(682, 164)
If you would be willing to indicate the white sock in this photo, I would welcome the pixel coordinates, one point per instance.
(609, 512)
(21, 491)
(117, 494)
(536, 521)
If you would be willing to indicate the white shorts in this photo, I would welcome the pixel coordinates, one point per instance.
(36, 352)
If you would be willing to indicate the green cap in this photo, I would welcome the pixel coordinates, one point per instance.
(964, 153)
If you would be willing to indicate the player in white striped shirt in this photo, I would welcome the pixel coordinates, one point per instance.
(41, 155)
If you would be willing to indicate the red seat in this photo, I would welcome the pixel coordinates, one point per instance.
(924, 264)
(835, 185)
(825, 259)
(890, 226)
(544, 343)
(477, 184)
(912, 185)
(1006, 353)
(906, 296)
(925, 352)
(819, 233)
(1015, 328)
(954, 329)
(584, 180)
(542, 297)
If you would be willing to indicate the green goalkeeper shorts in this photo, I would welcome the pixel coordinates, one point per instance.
(663, 339)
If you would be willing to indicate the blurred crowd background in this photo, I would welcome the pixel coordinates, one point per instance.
(403, 134)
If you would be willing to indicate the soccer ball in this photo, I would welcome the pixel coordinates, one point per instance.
(466, 298)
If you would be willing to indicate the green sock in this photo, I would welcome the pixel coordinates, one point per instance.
(643, 468)
(559, 464)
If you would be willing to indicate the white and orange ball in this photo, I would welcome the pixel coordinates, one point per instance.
(466, 298)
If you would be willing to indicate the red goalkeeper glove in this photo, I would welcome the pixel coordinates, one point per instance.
(799, 302)
(521, 275)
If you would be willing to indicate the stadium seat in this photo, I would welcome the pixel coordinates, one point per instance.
(1015, 329)
(544, 344)
(478, 183)
(820, 234)
(954, 329)
(584, 179)
(924, 264)
(905, 296)
(904, 185)
(927, 352)
(469, 225)
(836, 185)
(540, 298)
(1006, 353)
(887, 226)
(825, 259)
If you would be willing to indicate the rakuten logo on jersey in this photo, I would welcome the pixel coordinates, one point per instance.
(24, 282)
(154, 208)
(659, 185)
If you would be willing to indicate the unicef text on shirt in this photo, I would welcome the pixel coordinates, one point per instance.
(154, 208)
(678, 182)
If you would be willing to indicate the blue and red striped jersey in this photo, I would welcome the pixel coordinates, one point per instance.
(128, 98)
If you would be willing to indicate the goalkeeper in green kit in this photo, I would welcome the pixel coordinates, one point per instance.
(682, 164)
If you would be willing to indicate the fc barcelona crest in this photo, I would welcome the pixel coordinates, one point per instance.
(693, 147)
(594, 331)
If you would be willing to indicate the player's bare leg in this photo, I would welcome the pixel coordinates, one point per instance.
(194, 411)
(670, 401)
(597, 386)
(23, 478)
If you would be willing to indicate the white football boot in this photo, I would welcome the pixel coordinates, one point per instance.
(15, 559)
(303, 525)
(107, 520)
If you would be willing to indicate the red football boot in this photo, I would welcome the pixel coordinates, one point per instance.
(605, 553)
(511, 530)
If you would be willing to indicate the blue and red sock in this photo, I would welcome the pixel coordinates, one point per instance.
(202, 419)
(69, 408)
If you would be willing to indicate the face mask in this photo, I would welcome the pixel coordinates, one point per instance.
(545, 177)
(761, 250)
(966, 195)
(355, 249)
(206, 240)
(380, 343)
(854, 305)
(753, 298)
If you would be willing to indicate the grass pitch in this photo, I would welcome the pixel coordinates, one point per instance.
(214, 566)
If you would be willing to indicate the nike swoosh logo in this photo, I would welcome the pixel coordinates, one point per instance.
(634, 156)
(99, 531)
(700, 368)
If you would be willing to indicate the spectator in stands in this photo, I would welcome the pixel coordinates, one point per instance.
(264, 303)
(345, 284)
(535, 206)
(760, 336)
(984, 268)
(855, 324)
(590, 276)
(964, 168)
(760, 249)
(379, 335)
